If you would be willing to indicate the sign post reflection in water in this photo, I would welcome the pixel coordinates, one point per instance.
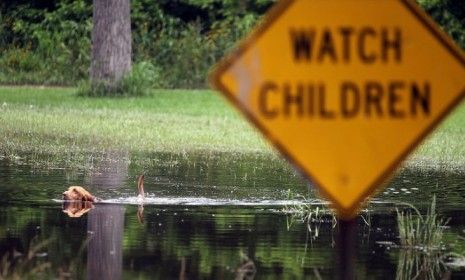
(344, 89)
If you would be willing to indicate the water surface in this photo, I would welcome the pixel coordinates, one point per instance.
(212, 217)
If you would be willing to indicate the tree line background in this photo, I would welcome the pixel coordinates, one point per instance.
(175, 42)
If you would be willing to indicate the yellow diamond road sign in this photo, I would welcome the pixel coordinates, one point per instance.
(345, 89)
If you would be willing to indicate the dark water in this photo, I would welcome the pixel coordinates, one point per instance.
(214, 217)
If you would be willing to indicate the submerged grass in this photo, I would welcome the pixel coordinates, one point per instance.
(56, 125)
(421, 231)
(55, 122)
(308, 211)
(423, 252)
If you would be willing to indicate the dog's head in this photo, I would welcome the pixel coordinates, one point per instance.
(76, 193)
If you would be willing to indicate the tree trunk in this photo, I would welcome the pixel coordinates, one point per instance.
(111, 41)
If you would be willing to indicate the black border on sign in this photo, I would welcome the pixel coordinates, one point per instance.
(275, 12)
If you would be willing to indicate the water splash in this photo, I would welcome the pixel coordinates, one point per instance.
(201, 201)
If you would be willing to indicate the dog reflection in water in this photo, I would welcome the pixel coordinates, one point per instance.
(77, 200)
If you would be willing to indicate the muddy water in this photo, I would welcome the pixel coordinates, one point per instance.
(213, 217)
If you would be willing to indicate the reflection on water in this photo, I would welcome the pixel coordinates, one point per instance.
(76, 209)
(105, 225)
(196, 242)
(212, 218)
(417, 265)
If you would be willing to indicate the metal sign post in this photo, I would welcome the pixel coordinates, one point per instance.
(346, 247)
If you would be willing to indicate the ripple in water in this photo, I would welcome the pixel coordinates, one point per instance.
(201, 201)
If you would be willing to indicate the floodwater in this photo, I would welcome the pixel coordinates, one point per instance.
(216, 217)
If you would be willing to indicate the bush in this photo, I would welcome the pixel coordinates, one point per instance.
(138, 82)
(46, 47)
(450, 15)
(184, 51)
(180, 39)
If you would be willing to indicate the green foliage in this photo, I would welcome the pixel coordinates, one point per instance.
(53, 46)
(182, 39)
(137, 83)
(47, 47)
(184, 51)
(450, 15)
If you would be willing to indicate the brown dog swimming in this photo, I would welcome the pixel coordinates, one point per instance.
(78, 193)
(78, 201)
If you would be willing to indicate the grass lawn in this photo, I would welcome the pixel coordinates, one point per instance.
(55, 122)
